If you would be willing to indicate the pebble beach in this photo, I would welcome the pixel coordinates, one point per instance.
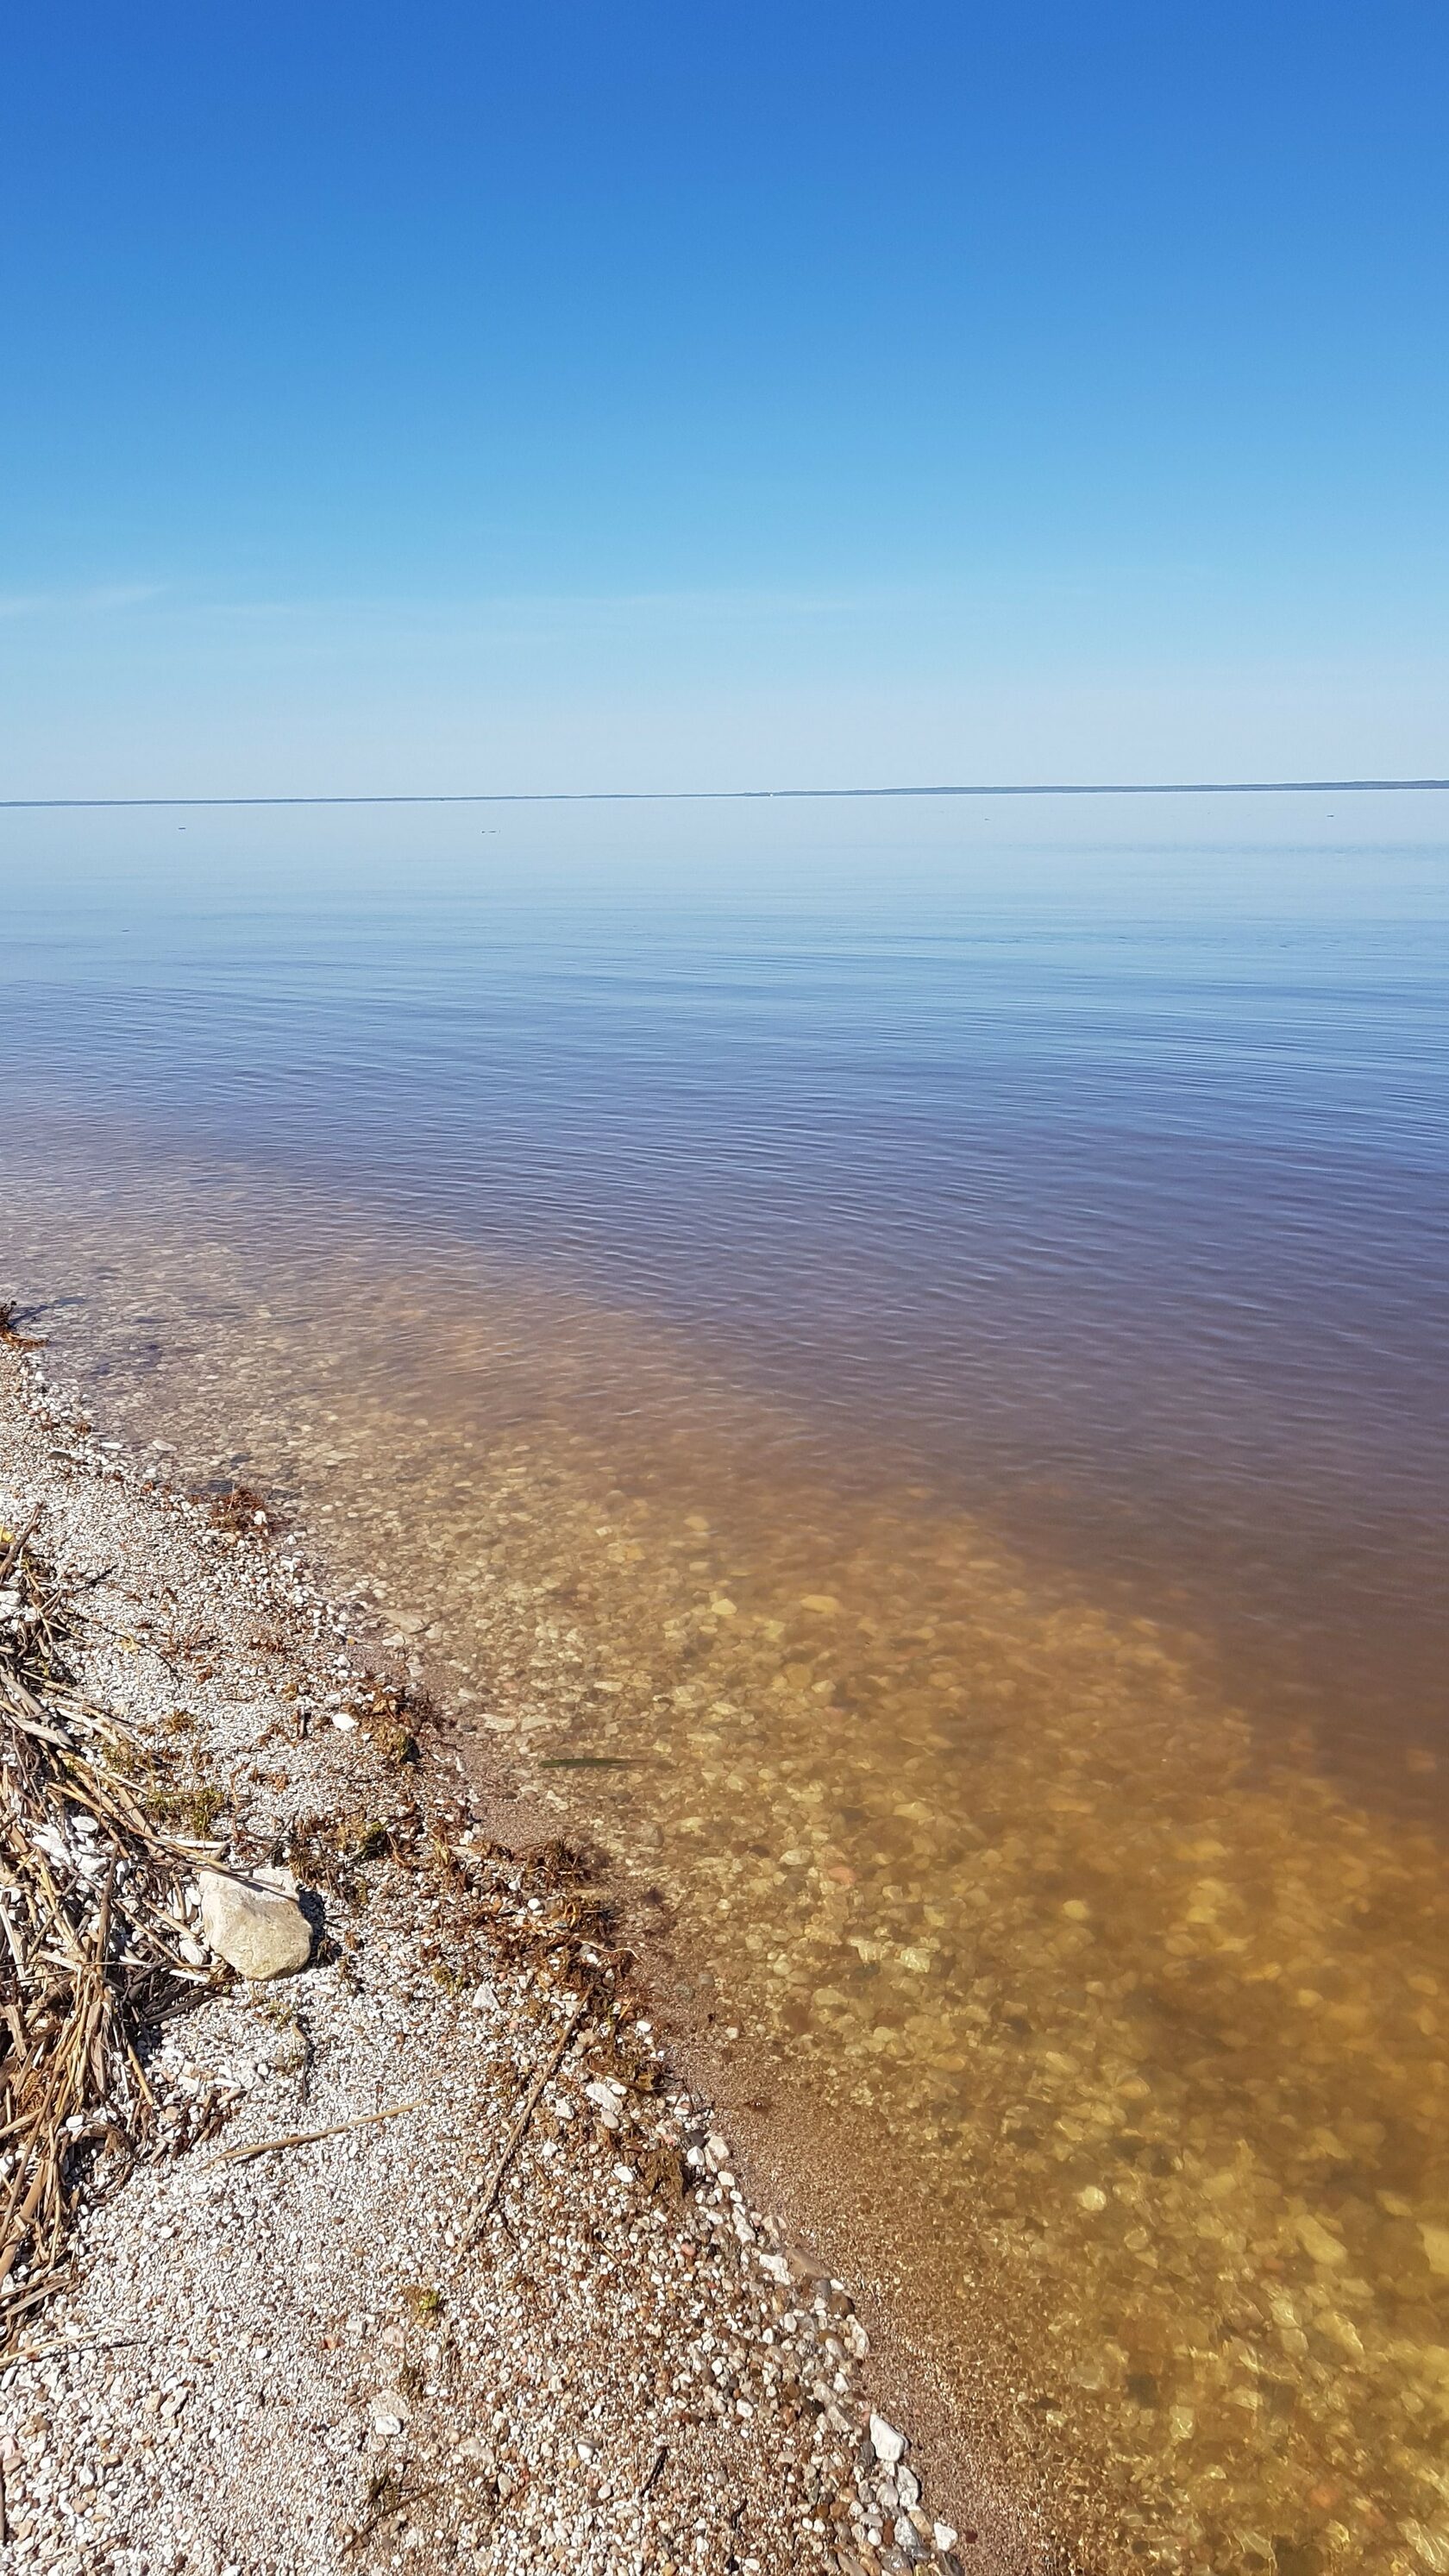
(433, 2258)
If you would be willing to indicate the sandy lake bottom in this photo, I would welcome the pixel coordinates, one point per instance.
(1133, 2027)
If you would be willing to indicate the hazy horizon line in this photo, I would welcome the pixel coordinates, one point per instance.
(743, 795)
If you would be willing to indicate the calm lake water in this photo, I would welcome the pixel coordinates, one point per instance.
(899, 1354)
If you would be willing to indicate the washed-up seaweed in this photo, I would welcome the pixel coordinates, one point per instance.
(96, 1943)
(10, 1333)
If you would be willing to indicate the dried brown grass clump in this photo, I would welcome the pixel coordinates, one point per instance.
(384, 1710)
(333, 1851)
(241, 1512)
(556, 1865)
(95, 1947)
(10, 1332)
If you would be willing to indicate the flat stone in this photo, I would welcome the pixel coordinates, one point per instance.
(255, 1924)
(1317, 2243)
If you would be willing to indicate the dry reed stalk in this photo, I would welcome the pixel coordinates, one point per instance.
(95, 1944)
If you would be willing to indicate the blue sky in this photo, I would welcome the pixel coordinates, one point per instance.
(580, 395)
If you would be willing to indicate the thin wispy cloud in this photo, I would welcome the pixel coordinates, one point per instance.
(522, 606)
(101, 600)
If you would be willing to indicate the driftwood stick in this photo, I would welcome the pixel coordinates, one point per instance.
(12, 1555)
(28, 2208)
(100, 2341)
(519, 2130)
(305, 2137)
(20, 1700)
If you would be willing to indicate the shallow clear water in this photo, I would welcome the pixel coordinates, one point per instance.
(925, 1344)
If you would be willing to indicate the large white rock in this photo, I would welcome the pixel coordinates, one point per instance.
(887, 2443)
(255, 1924)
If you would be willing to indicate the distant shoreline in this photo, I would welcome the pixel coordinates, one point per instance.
(755, 795)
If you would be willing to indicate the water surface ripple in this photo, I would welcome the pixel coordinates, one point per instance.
(902, 1368)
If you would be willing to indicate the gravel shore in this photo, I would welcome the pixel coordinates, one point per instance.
(487, 2293)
